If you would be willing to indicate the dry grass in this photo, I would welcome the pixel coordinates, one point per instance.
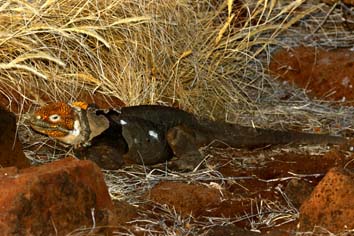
(201, 55)
(206, 56)
(131, 185)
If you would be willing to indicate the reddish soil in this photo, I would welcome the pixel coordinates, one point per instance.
(258, 184)
(327, 75)
(256, 188)
(253, 189)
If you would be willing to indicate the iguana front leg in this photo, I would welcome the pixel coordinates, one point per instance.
(146, 141)
(182, 141)
(105, 154)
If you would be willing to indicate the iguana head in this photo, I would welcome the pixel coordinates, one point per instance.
(69, 123)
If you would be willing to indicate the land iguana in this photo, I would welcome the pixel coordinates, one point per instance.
(151, 134)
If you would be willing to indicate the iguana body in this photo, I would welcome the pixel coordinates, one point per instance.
(151, 134)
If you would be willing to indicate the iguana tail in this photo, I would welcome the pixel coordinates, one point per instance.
(241, 136)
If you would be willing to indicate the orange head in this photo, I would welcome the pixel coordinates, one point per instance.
(55, 119)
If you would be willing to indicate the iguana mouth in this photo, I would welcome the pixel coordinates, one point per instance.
(41, 126)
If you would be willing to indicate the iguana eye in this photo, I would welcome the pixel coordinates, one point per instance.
(54, 118)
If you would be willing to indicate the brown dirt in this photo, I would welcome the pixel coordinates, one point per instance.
(260, 189)
(325, 74)
(253, 190)
(258, 184)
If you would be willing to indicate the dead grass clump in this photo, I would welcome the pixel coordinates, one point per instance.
(201, 55)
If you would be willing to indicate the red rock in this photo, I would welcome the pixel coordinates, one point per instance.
(53, 199)
(326, 74)
(186, 198)
(331, 204)
(11, 153)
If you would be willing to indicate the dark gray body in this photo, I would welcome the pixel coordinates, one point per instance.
(179, 133)
(206, 131)
(146, 141)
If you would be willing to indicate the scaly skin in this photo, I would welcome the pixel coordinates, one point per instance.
(69, 123)
(149, 134)
(55, 120)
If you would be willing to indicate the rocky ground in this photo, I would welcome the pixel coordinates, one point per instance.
(282, 190)
(276, 190)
